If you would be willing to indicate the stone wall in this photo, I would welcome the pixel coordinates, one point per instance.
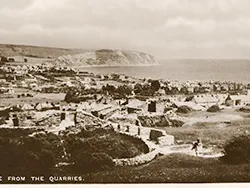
(164, 140)
(138, 160)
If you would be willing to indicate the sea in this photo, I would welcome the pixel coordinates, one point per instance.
(186, 70)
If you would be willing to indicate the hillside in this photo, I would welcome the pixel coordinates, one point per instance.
(35, 51)
(77, 57)
(105, 57)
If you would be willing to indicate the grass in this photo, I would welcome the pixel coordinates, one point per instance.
(175, 168)
(211, 135)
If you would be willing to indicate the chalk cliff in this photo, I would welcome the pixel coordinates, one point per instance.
(105, 57)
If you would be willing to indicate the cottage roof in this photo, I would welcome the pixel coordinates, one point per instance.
(27, 106)
(206, 99)
(244, 98)
(40, 106)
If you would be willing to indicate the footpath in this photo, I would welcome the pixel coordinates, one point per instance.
(156, 149)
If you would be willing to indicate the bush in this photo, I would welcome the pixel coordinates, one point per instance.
(184, 109)
(166, 109)
(89, 162)
(47, 160)
(11, 157)
(155, 85)
(189, 98)
(245, 109)
(237, 150)
(2, 121)
(31, 160)
(177, 123)
(104, 141)
(214, 108)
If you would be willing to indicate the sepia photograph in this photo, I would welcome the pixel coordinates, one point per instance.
(124, 92)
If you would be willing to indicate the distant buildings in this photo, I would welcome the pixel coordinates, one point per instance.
(238, 100)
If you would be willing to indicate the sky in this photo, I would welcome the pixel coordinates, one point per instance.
(163, 28)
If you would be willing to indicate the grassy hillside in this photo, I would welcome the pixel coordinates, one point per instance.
(35, 51)
(175, 168)
(76, 57)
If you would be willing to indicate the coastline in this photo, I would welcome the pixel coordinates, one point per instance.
(105, 66)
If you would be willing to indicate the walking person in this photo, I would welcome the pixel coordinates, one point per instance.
(196, 144)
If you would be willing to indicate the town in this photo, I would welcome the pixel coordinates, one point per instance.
(55, 99)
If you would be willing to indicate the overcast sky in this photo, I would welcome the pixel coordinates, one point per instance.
(164, 28)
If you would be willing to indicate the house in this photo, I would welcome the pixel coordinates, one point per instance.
(27, 106)
(238, 100)
(108, 112)
(97, 108)
(44, 106)
(6, 90)
(161, 91)
(206, 100)
(134, 105)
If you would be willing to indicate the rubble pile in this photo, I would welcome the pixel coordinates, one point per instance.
(87, 120)
(159, 121)
(52, 120)
(154, 121)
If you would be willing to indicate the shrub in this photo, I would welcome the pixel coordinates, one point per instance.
(31, 160)
(42, 144)
(184, 109)
(47, 160)
(237, 150)
(88, 162)
(189, 98)
(2, 121)
(214, 108)
(104, 141)
(166, 109)
(245, 109)
(155, 85)
(177, 123)
(11, 155)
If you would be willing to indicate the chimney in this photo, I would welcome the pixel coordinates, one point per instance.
(152, 106)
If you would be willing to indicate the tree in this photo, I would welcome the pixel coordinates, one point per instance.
(4, 59)
(124, 89)
(138, 88)
(155, 84)
(109, 88)
(88, 162)
(237, 150)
